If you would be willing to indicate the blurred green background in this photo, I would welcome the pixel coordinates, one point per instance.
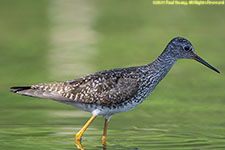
(55, 40)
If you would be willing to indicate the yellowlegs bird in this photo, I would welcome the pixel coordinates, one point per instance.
(113, 91)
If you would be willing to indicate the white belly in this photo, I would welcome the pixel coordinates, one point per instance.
(99, 110)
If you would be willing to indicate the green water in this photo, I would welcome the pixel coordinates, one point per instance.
(185, 111)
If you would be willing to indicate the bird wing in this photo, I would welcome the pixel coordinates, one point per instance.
(102, 88)
(108, 88)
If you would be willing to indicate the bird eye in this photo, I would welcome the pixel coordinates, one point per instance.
(187, 48)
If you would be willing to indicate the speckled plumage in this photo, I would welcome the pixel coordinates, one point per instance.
(117, 90)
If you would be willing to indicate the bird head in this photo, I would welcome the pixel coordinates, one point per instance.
(180, 48)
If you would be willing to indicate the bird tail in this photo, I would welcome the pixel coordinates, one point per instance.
(37, 92)
(19, 89)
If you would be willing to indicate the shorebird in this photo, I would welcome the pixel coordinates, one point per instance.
(113, 91)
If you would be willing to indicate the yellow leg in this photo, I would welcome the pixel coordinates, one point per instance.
(80, 133)
(105, 132)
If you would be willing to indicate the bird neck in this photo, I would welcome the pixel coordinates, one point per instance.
(165, 61)
(161, 66)
(154, 72)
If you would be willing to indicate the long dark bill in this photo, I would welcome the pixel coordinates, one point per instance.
(199, 59)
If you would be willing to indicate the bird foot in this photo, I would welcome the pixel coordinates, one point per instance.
(78, 141)
(79, 145)
(104, 141)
